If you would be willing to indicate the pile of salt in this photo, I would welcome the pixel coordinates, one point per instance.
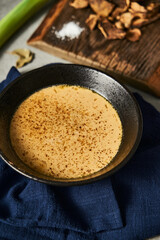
(69, 30)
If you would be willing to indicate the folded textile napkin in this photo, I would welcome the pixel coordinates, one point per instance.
(125, 206)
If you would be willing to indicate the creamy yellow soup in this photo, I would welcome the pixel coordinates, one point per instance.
(66, 131)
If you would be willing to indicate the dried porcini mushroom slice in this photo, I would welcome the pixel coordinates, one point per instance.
(91, 21)
(139, 22)
(123, 8)
(79, 4)
(136, 7)
(119, 25)
(153, 5)
(101, 7)
(25, 56)
(126, 19)
(150, 6)
(117, 19)
(155, 10)
(109, 30)
(144, 21)
(133, 35)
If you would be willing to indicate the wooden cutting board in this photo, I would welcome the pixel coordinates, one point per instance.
(135, 63)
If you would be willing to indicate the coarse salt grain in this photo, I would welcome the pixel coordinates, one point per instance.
(69, 30)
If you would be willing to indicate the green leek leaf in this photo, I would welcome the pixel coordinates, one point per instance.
(18, 16)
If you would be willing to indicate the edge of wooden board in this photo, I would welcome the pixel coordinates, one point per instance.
(50, 17)
(148, 87)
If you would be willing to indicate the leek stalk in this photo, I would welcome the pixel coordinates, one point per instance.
(18, 16)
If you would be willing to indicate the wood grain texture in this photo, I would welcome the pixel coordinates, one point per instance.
(135, 63)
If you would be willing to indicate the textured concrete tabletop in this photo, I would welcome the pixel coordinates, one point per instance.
(41, 58)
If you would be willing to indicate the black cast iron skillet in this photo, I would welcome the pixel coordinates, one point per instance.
(70, 74)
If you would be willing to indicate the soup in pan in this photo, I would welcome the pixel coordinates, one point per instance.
(66, 131)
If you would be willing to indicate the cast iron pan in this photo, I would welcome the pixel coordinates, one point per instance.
(70, 74)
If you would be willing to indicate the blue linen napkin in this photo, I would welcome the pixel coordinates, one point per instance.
(125, 206)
